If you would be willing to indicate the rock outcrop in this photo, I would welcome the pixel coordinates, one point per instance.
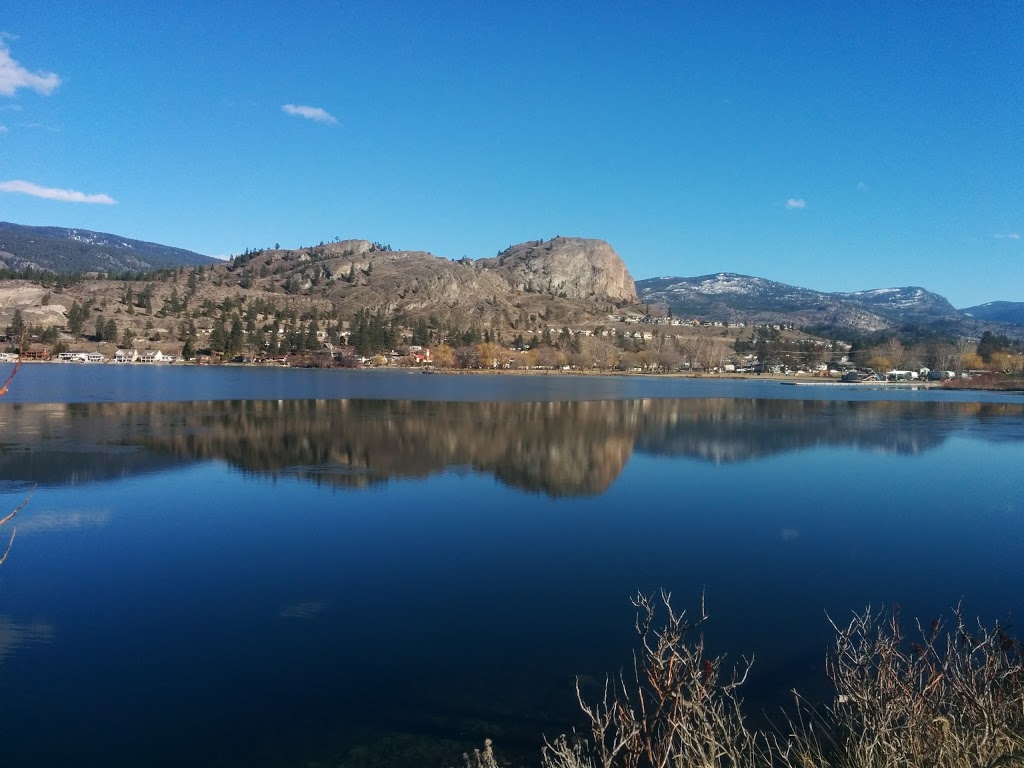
(570, 267)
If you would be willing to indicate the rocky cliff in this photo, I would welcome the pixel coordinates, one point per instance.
(570, 267)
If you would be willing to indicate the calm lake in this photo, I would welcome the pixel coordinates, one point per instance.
(233, 567)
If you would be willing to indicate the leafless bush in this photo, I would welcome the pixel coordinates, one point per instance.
(950, 697)
(481, 759)
(10, 515)
(7, 519)
(675, 709)
(954, 697)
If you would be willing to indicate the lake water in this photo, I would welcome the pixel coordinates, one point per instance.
(231, 567)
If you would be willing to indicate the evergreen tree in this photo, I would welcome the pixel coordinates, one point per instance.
(17, 327)
(76, 319)
(233, 344)
(218, 339)
(312, 335)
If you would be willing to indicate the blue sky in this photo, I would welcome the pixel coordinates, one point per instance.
(834, 146)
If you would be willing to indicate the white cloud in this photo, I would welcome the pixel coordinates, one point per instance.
(51, 193)
(4, 129)
(14, 76)
(861, 186)
(1007, 236)
(310, 113)
(796, 204)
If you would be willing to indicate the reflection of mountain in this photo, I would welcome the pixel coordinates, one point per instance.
(558, 448)
(723, 431)
(57, 444)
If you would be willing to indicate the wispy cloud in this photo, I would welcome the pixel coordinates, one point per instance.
(51, 193)
(796, 204)
(14, 76)
(310, 113)
(4, 129)
(1007, 236)
(861, 186)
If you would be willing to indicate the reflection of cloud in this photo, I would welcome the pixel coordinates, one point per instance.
(789, 534)
(70, 519)
(307, 609)
(14, 635)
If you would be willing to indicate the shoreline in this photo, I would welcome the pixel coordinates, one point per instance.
(789, 380)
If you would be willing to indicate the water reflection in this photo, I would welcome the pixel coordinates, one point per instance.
(555, 448)
(15, 635)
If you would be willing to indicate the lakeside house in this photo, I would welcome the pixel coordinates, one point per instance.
(82, 357)
(37, 352)
(126, 356)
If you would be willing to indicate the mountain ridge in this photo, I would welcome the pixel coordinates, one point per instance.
(70, 250)
(730, 296)
(554, 282)
(1010, 312)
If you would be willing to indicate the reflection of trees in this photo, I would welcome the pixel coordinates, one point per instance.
(728, 430)
(558, 448)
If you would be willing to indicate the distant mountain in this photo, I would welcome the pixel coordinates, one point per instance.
(732, 297)
(1011, 312)
(902, 305)
(58, 249)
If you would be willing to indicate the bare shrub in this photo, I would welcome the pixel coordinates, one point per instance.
(953, 697)
(10, 516)
(675, 709)
(481, 759)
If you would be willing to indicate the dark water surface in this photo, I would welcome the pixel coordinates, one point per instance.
(269, 568)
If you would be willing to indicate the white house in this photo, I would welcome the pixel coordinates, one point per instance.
(126, 356)
(152, 356)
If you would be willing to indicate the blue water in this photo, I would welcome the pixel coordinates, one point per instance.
(235, 581)
(79, 383)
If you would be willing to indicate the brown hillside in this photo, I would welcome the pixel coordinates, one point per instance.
(565, 281)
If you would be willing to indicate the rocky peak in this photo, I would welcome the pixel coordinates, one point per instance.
(571, 267)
